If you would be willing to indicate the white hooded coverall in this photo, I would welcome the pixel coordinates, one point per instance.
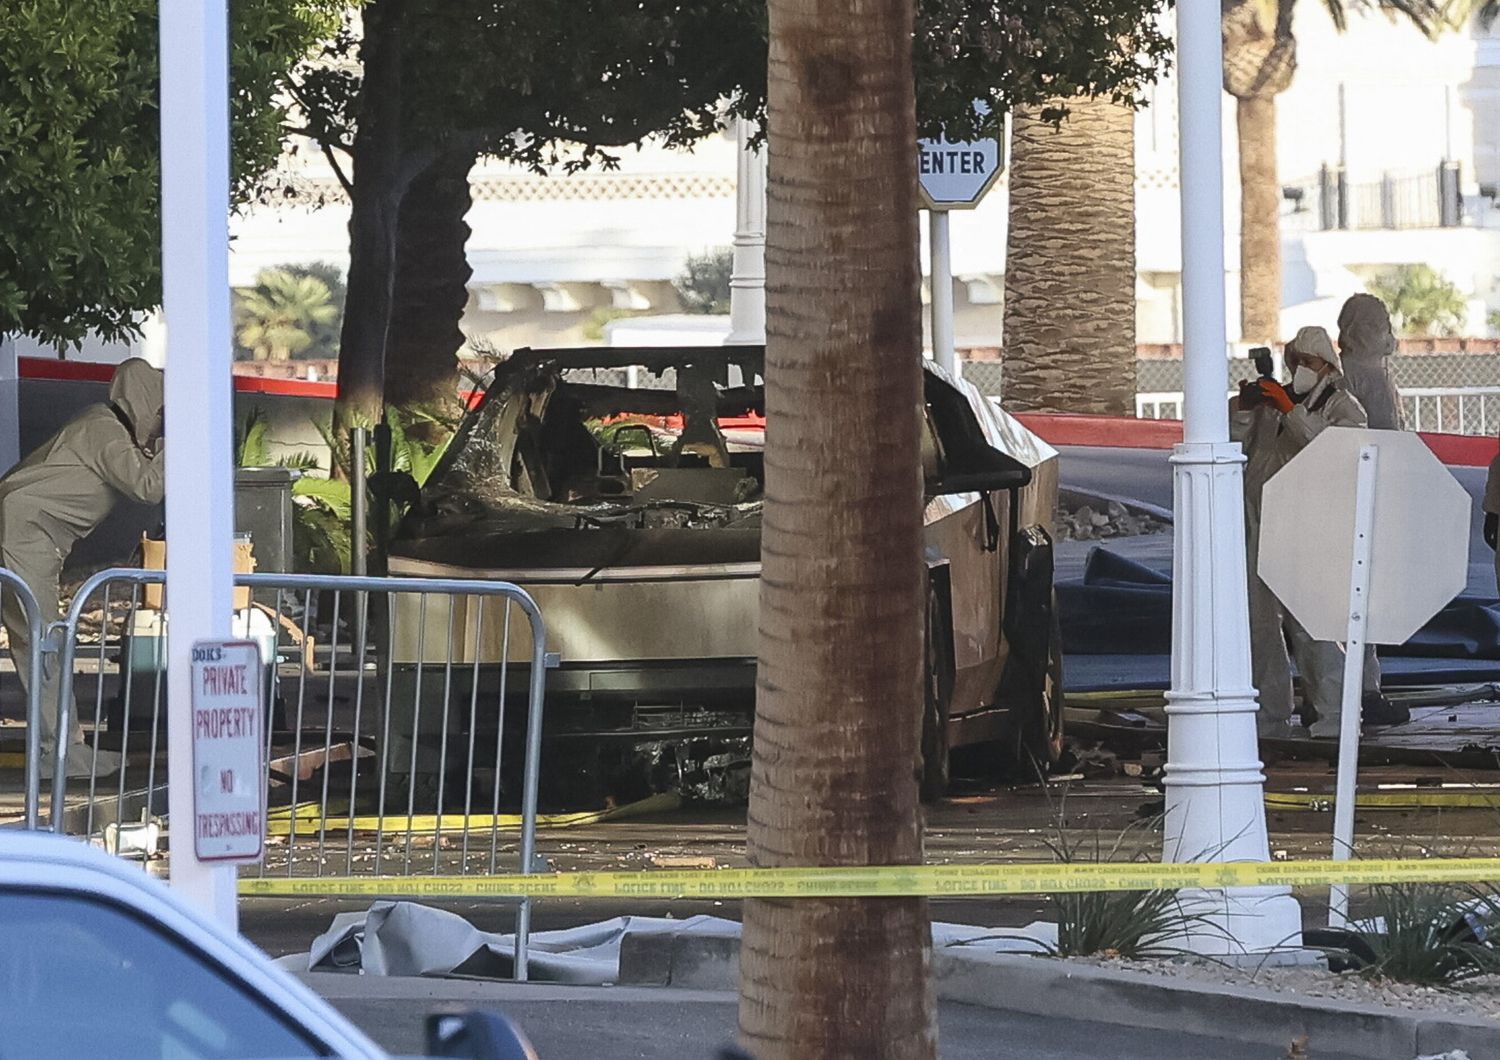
(1271, 439)
(56, 497)
(1366, 339)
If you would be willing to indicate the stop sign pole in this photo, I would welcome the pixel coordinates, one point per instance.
(1354, 663)
(952, 175)
(941, 253)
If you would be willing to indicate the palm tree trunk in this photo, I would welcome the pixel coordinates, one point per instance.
(1069, 339)
(834, 780)
(1260, 220)
(431, 286)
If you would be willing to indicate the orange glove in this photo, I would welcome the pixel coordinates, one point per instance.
(1275, 394)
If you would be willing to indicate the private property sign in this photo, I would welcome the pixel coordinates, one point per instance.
(229, 799)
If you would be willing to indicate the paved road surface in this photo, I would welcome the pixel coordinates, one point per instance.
(619, 1023)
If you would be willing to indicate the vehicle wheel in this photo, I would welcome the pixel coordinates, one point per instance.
(1050, 733)
(1035, 744)
(938, 694)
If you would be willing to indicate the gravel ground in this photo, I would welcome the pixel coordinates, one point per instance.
(1478, 998)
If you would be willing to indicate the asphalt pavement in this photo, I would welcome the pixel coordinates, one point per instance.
(624, 1023)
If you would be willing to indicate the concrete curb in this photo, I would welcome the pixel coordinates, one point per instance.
(1041, 986)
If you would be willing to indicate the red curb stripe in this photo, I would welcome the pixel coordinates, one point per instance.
(1116, 432)
(1124, 432)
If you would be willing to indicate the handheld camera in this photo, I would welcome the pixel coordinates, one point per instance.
(1265, 368)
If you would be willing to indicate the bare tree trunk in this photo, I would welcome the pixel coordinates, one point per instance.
(834, 780)
(1069, 340)
(375, 201)
(431, 287)
(1260, 220)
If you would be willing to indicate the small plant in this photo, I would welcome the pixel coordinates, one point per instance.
(1421, 300)
(704, 283)
(1433, 934)
(321, 537)
(1135, 925)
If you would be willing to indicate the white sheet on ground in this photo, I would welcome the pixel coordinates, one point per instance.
(409, 939)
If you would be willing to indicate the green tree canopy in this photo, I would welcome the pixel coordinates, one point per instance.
(568, 83)
(80, 199)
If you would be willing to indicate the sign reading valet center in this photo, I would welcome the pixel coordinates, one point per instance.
(229, 798)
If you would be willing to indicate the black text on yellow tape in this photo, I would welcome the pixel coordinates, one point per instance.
(936, 881)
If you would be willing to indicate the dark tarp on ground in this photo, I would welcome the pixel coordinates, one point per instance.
(1115, 597)
(1122, 607)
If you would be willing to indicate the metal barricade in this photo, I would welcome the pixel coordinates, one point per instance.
(31, 614)
(394, 726)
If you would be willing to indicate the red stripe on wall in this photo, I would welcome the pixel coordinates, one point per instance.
(1119, 432)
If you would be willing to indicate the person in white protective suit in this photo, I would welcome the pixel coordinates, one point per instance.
(56, 497)
(1275, 423)
(1366, 339)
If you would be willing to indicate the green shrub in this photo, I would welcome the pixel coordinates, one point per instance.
(1434, 934)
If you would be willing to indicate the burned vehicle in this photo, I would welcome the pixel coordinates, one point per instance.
(622, 488)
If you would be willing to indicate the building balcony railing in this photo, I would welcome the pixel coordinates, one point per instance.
(1331, 202)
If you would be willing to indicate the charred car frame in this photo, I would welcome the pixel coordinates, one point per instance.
(631, 513)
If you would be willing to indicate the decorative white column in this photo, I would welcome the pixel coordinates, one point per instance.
(200, 471)
(747, 282)
(1214, 780)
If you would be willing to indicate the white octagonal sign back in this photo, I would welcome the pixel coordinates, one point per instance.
(1419, 547)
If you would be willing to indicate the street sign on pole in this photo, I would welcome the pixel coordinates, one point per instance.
(951, 176)
(229, 794)
(1364, 537)
(955, 176)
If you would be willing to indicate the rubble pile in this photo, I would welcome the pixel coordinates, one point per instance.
(1094, 519)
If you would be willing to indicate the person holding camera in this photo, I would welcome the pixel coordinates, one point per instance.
(1275, 422)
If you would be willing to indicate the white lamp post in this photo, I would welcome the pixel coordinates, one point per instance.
(1214, 779)
(200, 473)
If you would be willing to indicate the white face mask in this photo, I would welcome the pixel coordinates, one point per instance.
(1304, 379)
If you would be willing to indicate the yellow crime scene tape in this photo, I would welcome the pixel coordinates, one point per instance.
(896, 881)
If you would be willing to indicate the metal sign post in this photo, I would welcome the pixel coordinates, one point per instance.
(10, 405)
(1354, 665)
(942, 291)
(952, 176)
(199, 416)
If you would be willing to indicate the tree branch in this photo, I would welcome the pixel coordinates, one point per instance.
(338, 170)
